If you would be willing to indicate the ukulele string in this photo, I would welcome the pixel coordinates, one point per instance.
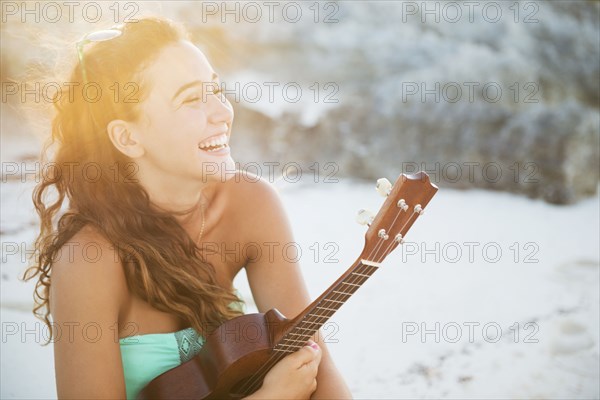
(352, 281)
(259, 375)
(358, 270)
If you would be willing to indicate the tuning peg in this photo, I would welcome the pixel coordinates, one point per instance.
(384, 187)
(419, 210)
(402, 204)
(365, 217)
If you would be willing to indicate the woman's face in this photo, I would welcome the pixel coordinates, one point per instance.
(183, 114)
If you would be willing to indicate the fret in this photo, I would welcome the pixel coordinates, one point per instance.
(283, 350)
(318, 315)
(290, 348)
(325, 308)
(336, 301)
(304, 329)
(314, 326)
(359, 279)
(356, 282)
(300, 334)
(346, 293)
(296, 342)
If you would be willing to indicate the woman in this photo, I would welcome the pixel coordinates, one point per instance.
(122, 273)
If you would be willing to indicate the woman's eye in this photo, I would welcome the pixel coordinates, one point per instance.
(197, 98)
(192, 100)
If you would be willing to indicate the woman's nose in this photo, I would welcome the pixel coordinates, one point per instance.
(221, 109)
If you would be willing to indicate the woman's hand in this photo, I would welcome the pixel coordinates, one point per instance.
(294, 377)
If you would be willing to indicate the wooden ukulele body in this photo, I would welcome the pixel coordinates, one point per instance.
(231, 355)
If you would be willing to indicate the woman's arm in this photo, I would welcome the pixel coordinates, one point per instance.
(85, 297)
(277, 282)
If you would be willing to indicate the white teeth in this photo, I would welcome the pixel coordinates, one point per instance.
(221, 140)
(217, 149)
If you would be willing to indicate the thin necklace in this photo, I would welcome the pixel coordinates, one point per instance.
(201, 229)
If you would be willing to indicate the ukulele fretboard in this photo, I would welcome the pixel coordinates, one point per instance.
(323, 308)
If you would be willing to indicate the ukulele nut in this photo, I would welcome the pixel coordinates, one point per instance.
(383, 235)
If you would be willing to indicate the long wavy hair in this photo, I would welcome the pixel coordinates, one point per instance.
(162, 264)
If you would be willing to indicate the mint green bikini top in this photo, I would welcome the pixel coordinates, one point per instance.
(146, 356)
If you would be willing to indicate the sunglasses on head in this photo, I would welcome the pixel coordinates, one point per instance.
(98, 36)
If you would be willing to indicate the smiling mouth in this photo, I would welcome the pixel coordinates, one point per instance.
(213, 148)
(214, 143)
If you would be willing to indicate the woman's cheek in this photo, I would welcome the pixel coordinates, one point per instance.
(198, 120)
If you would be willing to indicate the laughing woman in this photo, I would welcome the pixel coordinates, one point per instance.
(121, 268)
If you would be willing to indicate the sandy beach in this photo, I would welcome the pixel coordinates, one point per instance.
(492, 296)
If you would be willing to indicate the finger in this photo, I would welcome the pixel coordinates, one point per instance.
(314, 362)
(307, 354)
(313, 345)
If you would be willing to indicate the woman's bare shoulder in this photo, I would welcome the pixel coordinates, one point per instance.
(87, 246)
(88, 260)
(88, 234)
(250, 188)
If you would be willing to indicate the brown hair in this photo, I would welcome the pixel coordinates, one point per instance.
(161, 262)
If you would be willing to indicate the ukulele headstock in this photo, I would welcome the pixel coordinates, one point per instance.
(405, 202)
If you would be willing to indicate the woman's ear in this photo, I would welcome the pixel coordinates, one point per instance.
(124, 139)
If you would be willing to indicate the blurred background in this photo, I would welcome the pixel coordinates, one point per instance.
(497, 101)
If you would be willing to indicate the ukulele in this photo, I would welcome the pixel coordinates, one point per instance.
(237, 355)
